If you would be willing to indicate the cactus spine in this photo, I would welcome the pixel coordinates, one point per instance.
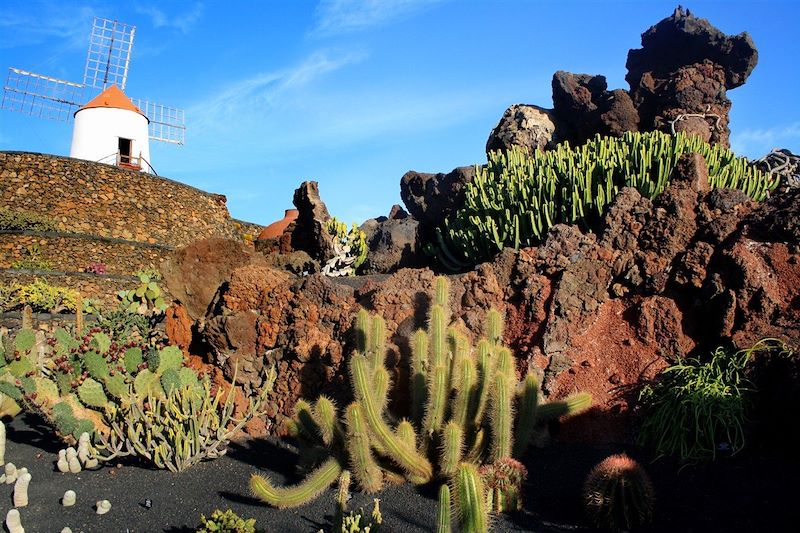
(618, 494)
(362, 463)
(342, 495)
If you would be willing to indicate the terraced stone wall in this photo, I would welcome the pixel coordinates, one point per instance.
(98, 199)
(73, 252)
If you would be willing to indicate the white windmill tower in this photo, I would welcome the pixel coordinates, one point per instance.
(109, 127)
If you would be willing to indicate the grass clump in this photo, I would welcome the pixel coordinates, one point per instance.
(40, 295)
(698, 408)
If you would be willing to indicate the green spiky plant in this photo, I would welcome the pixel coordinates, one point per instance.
(463, 408)
(133, 401)
(518, 196)
(186, 425)
(618, 494)
(697, 405)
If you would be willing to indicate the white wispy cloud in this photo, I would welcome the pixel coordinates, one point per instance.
(183, 22)
(334, 17)
(755, 142)
(247, 100)
(39, 24)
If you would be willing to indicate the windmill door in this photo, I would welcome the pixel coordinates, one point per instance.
(124, 157)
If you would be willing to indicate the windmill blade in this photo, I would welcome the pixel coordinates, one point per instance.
(167, 124)
(109, 54)
(41, 96)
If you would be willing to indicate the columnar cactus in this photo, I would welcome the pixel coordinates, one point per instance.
(13, 522)
(444, 512)
(463, 412)
(518, 196)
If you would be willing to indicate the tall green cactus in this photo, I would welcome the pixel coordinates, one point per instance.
(463, 409)
(470, 497)
(518, 196)
(444, 511)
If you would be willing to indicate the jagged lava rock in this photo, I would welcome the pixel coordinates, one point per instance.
(309, 233)
(585, 107)
(685, 66)
(193, 274)
(528, 126)
(393, 243)
(683, 39)
(430, 198)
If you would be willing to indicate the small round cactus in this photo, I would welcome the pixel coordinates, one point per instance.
(69, 498)
(103, 506)
(618, 494)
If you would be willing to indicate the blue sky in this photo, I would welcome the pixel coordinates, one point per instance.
(354, 93)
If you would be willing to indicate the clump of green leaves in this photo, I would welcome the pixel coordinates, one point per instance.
(226, 522)
(698, 408)
(153, 273)
(18, 219)
(350, 249)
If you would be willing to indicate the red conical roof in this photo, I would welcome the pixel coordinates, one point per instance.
(114, 98)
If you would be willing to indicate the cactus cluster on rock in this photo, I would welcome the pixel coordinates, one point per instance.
(519, 195)
(463, 405)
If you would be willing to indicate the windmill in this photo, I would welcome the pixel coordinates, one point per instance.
(108, 126)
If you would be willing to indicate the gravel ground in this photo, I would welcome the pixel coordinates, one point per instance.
(756, 492)
(179, 499)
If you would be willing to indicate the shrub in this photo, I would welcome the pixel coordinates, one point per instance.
(33, 260)
(618, 494)
(153, 273)
(40, 295)
(17, 219)
(226, 522)
(518, 196)
(123, 325)
(697, 408)
(146, 299)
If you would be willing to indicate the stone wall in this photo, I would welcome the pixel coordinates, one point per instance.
(98, 199)
(72, 252)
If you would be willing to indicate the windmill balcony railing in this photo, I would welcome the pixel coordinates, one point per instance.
(129, 161)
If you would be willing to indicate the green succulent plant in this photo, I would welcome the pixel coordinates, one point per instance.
(618, 494)
(226, 522)
(463, 405)
(147, 298)
(518, 195)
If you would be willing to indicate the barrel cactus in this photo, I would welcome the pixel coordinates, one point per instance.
(618, 494)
